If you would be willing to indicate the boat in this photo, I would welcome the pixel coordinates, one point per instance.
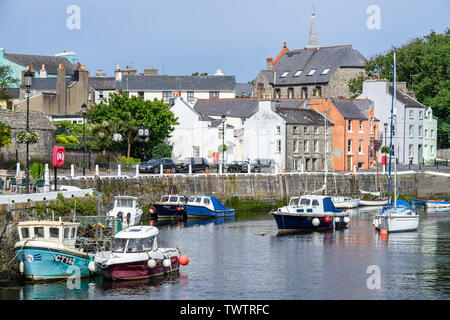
(205, 206)
(310, 212)
(170, 206)
(345, 202)
(135, 255)
(127, 209)
(399, 215)
(374, 202)
(47, 250)
(433, 205)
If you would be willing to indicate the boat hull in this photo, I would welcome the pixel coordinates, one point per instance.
(169, 211)
(203, 212)
(350, 204)
(381, 202)
(42, 263)
(397, 223)
(139, 270)
(292, 223)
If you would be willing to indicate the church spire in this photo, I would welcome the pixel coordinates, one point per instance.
(313, 41)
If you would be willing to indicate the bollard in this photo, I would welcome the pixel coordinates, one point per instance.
(119, 170)
(97, 172)
(72, 171)
(220, 168)
(17, 168)
(248, 169)
(137, 170)
(46, 178)
(190, 168)
(161, 169)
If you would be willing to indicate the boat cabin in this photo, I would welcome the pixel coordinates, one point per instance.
(135, 240)
(312, 203)
(125, 202)
(201, 201)
(173, 199)
(58, 231)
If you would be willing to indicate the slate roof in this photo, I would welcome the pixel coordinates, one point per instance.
(302, 116)
(13, 93)
(353, 109)
(238, 108)
(51, 62)
(289, 103)
(319, 59)
(244, 90)
(174, 83)
(47, 83)
(103, 83)
(404, 98)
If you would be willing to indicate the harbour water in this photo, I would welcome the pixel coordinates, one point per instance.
(245, 258)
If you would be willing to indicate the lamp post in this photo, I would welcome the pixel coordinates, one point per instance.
(28, 78)
(224, 118)
(385, 133)
(143, 133)
(84, 109)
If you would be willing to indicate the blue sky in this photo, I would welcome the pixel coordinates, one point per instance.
(202, 35)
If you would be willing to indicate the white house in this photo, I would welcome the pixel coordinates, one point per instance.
(429, 135)
(409, 126)
(197, 135)
(264, 134)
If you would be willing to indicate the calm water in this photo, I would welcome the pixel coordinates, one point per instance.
(232, 260)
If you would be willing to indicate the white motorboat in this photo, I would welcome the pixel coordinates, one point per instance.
(127, 209)
(345, 202)
(398, 217)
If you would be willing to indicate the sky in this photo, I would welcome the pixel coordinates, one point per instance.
(181, 37)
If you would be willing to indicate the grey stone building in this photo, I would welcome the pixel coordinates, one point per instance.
(306, 148)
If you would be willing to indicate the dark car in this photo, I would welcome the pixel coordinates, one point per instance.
(198, 165)
(237, 166)
(260, 165)
(154, 165)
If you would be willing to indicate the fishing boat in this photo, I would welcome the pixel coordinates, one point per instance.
(345, 202)
(170, 206)
(46, 250)
(127, 209)
(399, 215)
(310, 212)
(135, 255)
(205, 206)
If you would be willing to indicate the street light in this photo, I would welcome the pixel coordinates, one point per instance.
(84, 110)
(143, 133)
(28, 79)
(385, 133)
(224, 118)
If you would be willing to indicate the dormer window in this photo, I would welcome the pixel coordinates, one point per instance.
(311, 72)
(284, 74)
(298, 73)
(325, 71)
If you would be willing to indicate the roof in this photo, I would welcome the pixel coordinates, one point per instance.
(319, 59)
(13, 93)
(137, 232)
(47, 83)
(103, 83)
(244, 90)
(289, 103)
(238, 108)
(302, 116)
(51, 63)
(354, 109)
(174, 83)
(406, 99)
(47, 223)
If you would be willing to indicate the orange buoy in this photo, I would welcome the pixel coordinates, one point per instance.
(184, 260)
(383, 232)
(261, 233)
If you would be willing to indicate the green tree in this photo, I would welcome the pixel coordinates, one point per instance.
(126, 114)
(5, 135)
(423, 64)
(162, 150)
(6, 81)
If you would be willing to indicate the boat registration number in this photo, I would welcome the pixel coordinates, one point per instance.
(64, 259)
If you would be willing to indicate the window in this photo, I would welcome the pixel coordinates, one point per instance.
(411, 131)
(278, 146)
(305, 202)
(25, 233)
(317, 91)
(426, 133)
(371, 124)
(141, 94)
(173, 199)
(54, 233)
(214, 94)
(411, 114)
(411, 150)
(361, 146)
(38, 232)
(66, 233)
(100, 94)
(278, 130)
(305, 130)
(137, 245)
(298, 73)
(431, 150)
(294, 201)
(119, 245)
(306, 146)
(295, 129)
(166, 95)
(295, 146)
(190, 96)
(311, 72)
(315, 203)
(277, 93)
(360, 126)
(349, 146)
(304, 92)
(432, 134)
(316, 146)
(73, 231)
(284, 74)
(316, 130)
(206, 201)
(296, 165)
(421, 115)
(198, 200)
(325, 71)
(393, 130)
(420, 131)
(349, 125)
(290, 93)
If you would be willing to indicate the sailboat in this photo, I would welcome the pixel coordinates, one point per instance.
(398, 216)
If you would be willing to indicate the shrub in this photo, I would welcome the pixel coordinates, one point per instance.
(37, 170)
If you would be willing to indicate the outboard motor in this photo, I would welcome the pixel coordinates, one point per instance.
(120, 215)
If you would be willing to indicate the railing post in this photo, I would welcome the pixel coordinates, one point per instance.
(137, 170)
(119, 170)
(190, 169)
(72, 171)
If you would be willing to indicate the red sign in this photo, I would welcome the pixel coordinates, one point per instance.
(384, 160)
(59, 154)
(215, 156)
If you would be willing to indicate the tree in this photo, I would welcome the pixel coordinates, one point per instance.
(5, 135)
(126, 114)
(423, 64)
(6, 81)
(162, 150)
(196, 74)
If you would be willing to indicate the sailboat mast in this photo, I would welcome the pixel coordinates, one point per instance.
(390, 138)
(393, 103)
(326, 149)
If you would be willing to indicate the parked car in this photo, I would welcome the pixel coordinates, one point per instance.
(237, 166)
(154, 165)
(198, 165)
(260, 165)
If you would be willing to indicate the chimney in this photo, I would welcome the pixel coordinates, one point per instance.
(218, 72)
(269, 62)
(118, 73)
(401, 86)
(100, 73)
(61, 90)
(43, 72)
(150, 72)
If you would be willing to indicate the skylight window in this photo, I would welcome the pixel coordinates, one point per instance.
(284, 74)
(311, 72)
(298, 73)
(325, 71)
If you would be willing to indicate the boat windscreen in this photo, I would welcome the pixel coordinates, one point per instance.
(173, 199)
(124, 203)
(119, 245)
(305, 202)
(293, 202)
(139, 245)
(164, 199)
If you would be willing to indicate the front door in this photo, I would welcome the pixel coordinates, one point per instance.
(420, 154)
